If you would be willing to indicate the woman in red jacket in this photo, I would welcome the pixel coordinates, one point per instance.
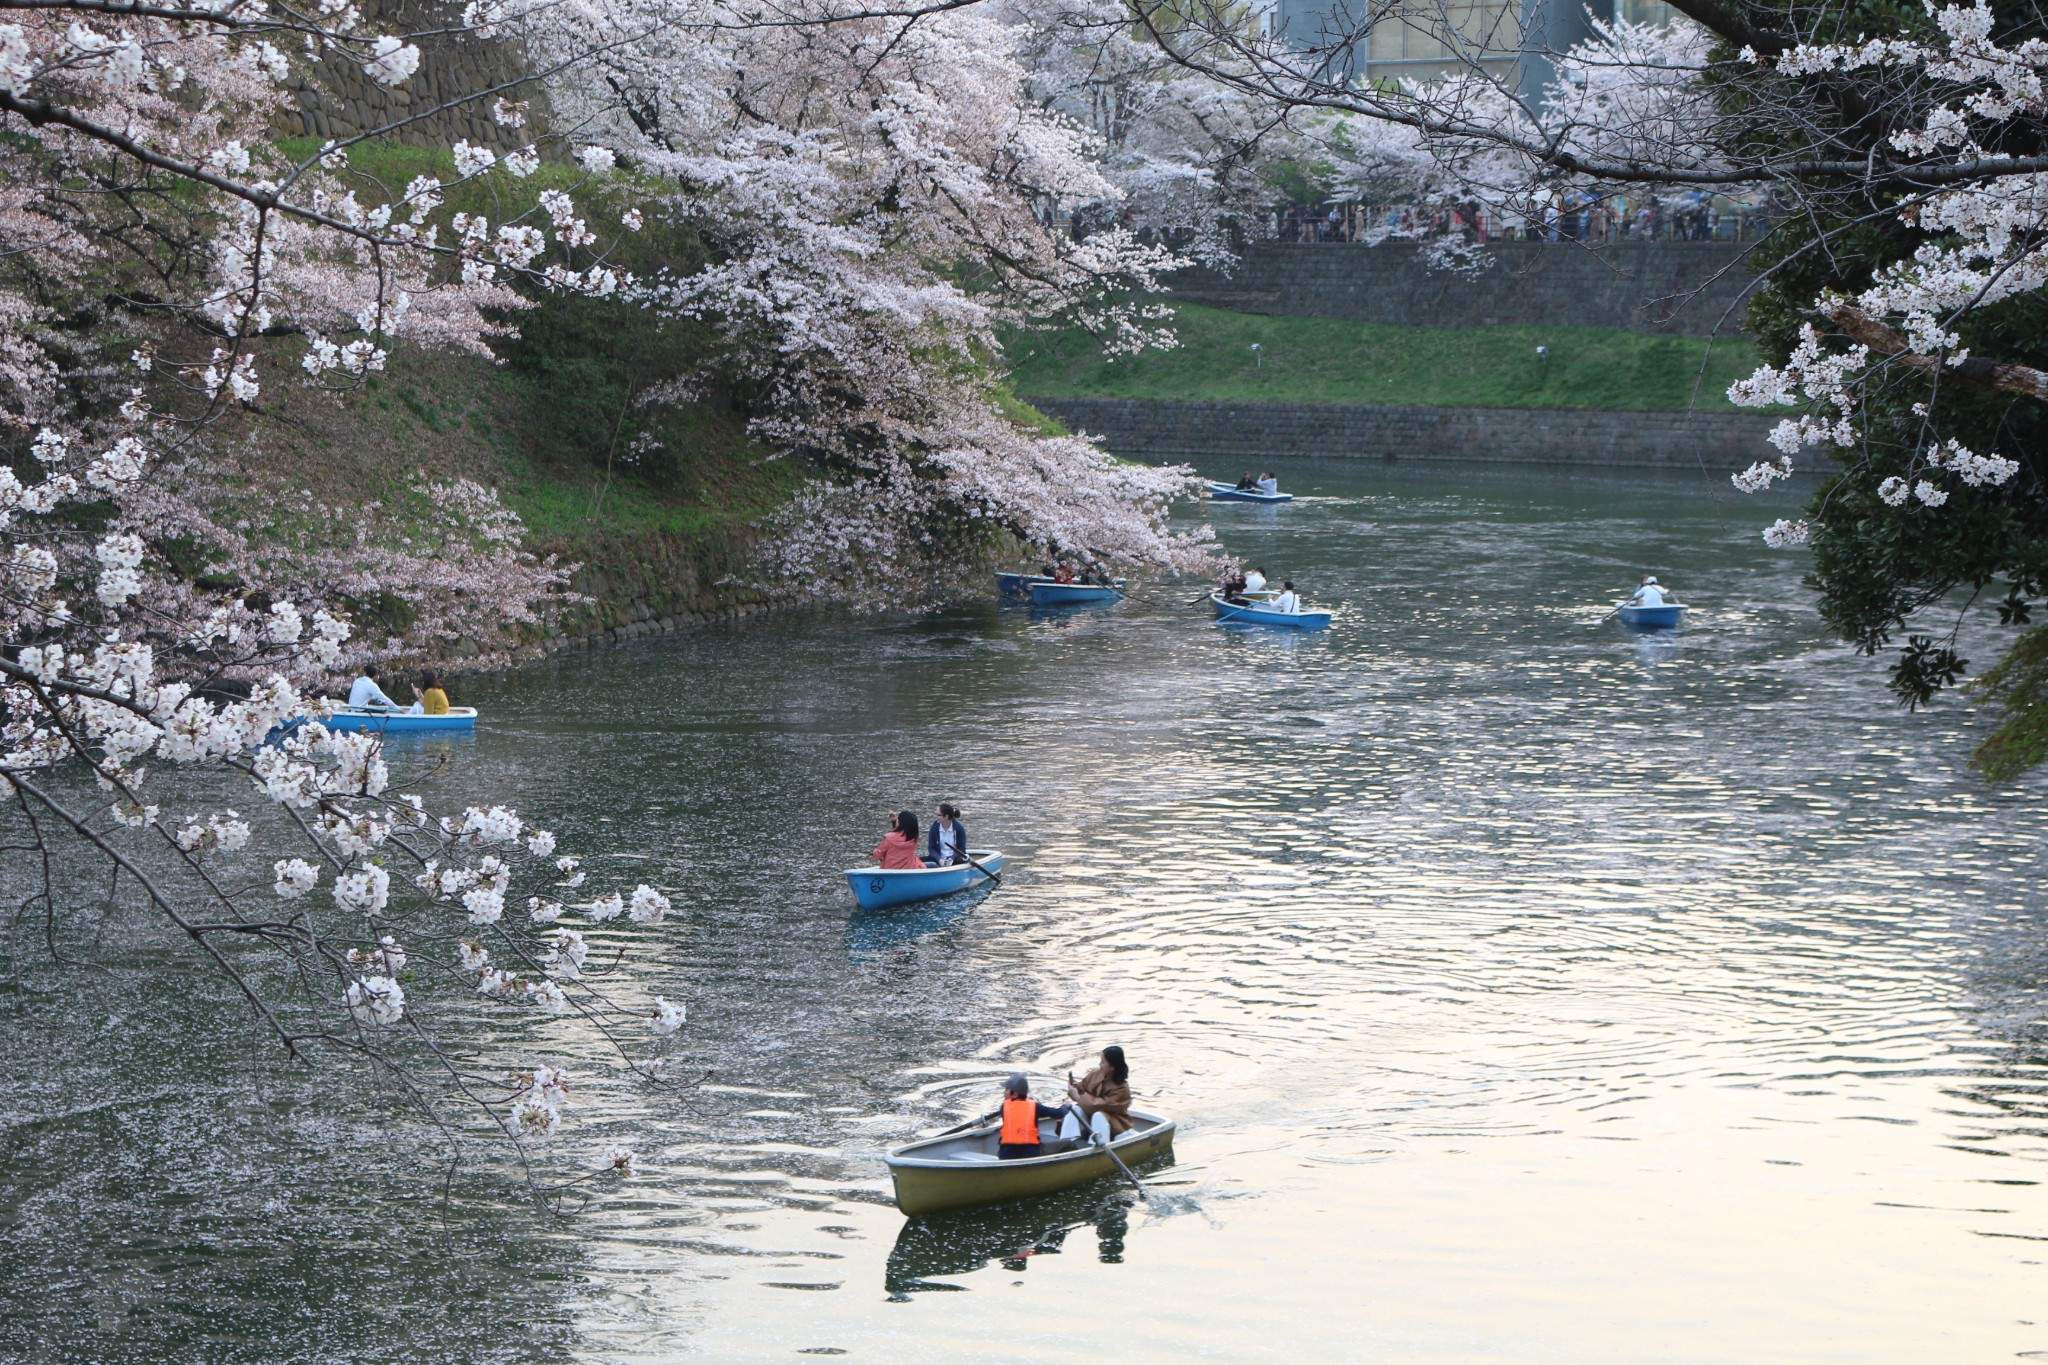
(898, 850)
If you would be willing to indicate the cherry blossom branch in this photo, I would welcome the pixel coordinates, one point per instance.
(1888, 343)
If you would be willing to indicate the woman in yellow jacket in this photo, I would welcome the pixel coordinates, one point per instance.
(432, 700)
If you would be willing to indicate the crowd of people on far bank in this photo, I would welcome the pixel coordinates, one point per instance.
(1568, 217)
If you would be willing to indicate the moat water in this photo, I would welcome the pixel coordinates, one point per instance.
(1526, 990)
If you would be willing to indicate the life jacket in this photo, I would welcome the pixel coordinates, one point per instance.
(1020, 1123)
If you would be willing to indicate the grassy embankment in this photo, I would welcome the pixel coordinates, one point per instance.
(550, 426)
(1325, 360)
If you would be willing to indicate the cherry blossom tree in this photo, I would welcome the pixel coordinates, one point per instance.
(161, 255)
(1190, 157)
(881, 198)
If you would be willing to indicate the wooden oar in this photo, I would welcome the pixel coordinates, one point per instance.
(971, 1123)
(1108, 1150)
(1239, 611)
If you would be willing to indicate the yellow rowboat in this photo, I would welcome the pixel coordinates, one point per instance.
(962, 1171)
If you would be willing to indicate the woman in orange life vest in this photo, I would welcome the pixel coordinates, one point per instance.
(1021, 1117)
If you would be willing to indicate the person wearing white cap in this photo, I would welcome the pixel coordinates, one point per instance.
(1648, 593)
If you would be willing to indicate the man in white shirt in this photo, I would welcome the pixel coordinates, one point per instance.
(1255, 581)
(365, 692)
(1648, 594)
(1268, 484)
(1287, 601)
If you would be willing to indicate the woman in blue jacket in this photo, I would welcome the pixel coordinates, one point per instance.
(946, 843)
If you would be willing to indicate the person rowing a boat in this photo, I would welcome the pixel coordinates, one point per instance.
(1247, 484)
(947, 840)
(898, 850)
(1019, 1137)
(1103, 1096)
(364, 693)
(1649, 594)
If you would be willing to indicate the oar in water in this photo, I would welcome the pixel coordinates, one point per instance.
(1108, 1150)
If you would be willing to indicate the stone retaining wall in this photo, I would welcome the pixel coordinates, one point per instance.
(1691, 288)
(336, 100)
(1223, 438)
(651, 624)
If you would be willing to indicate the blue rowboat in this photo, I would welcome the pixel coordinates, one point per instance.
(1665, 617)
(1230, 492)
(1021, 584)
(459, 718)
(1045, 594)
(1266, 616)
(877, 889)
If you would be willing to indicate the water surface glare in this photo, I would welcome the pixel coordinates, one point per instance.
(1526, 990)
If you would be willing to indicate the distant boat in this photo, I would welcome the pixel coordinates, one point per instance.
(1048, 594)
(1230, 492)
(878, 889)
(962, 1171)
(355, 718)
(1259, 613)
(1019, 584)
(1665, 617)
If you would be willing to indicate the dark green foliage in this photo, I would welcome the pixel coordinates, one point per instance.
(2020, 681)
(1875, 564)
(1923, 669)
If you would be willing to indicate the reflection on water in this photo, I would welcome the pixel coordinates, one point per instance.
(1526, 989)
(1008, 1236)
(876, 932)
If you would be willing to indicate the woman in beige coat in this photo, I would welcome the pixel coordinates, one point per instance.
(1104, 1096)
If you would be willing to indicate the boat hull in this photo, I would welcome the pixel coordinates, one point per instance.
(878, 889)
(1266, 616)
(1223, 492)
(1651, 618)
(459, 718)
(1020, 584)
(939, 1183)
(1070, 594)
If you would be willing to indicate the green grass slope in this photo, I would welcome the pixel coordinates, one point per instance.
(658, 502)
(1325, 360)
